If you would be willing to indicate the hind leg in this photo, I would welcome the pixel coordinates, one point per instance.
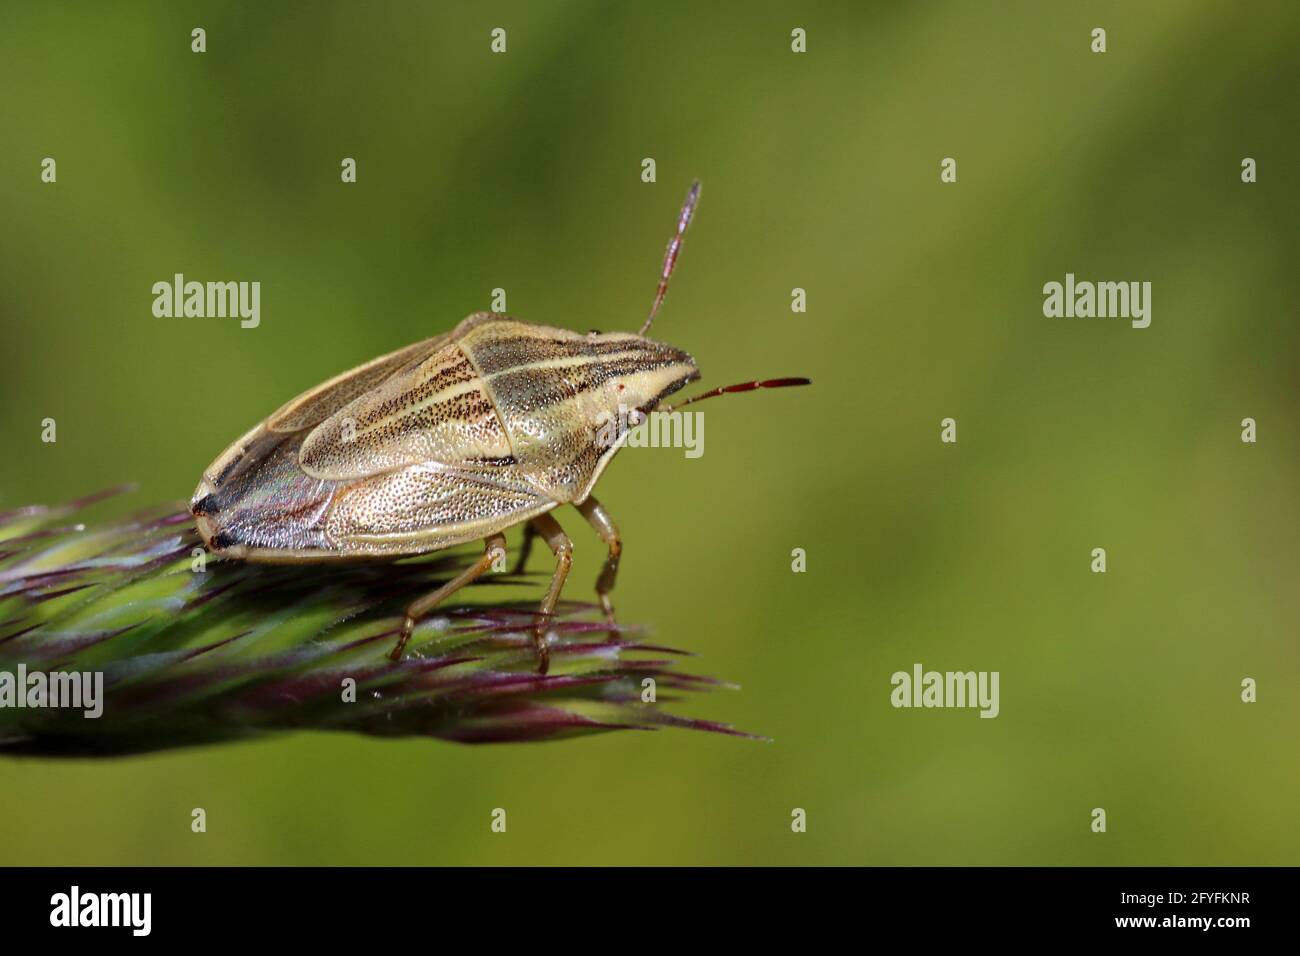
(494, 547)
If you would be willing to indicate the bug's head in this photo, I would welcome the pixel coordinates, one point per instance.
(637, 375)
(642, 372)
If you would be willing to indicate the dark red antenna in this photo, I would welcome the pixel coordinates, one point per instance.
(742, 387)
(674, 247)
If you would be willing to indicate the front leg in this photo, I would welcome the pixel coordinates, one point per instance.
(599, 519)
(562, 548)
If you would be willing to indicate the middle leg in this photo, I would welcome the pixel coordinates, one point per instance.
(562, 548)
(599, 519)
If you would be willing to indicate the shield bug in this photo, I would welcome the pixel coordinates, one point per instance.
(450, 440)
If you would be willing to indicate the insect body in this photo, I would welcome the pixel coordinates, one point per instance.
(453, 439)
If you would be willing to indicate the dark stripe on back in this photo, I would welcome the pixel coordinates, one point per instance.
(404, 403)
(532, 389)
(502, 355)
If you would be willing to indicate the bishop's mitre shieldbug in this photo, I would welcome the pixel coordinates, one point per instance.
(454, 439)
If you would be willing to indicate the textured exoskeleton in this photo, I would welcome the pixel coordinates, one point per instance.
(453, 439)
(443, 442)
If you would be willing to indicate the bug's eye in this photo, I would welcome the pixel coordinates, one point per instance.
(621, 386)
(593, 332)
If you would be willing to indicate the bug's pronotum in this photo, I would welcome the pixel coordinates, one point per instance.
(453, 439)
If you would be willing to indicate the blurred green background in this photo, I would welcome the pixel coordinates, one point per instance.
(820, 171)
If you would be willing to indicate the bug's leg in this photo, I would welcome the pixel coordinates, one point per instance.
(562, 548)
(495, 546)
(599, 519)
(525, 549)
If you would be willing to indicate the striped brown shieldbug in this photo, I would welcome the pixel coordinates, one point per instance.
(450, 440)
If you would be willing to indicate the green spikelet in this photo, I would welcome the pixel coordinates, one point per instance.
(193, 651)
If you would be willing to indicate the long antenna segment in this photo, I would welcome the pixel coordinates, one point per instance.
(742, 387)
(670, 256)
